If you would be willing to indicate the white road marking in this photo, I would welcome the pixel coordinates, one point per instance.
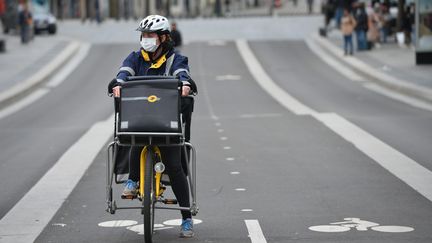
(227, 147)
(117, 223)
(400, 165)
(53, 82)
(228, 77)
(223, 138)
(332, 62)
(26, 220)
(42, 74)
(72, 64)
(30, 99)
(264, 80)
(177, 222)
(260, 115)
(255, 233)
(240, 189)
(230, 159)
(406, 169)
(360, 225)
(234, 173)
(247, 210)
(397, 96)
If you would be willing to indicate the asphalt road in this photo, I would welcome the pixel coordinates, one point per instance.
(256, 160)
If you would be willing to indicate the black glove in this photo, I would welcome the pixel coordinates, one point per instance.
(111, 85)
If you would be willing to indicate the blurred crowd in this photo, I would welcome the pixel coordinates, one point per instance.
(373, 23)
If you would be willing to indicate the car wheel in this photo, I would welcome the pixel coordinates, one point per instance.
(52, 29)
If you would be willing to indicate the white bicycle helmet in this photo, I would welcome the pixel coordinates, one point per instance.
(154, 23)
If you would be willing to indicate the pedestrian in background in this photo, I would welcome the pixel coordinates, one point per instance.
(25, 22)
(348, 23)
(361, 28)
(310, 5)
(176, 35)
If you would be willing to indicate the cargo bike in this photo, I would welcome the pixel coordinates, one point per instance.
(148, 114)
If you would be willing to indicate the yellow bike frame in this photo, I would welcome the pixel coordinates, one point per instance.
(158, 175)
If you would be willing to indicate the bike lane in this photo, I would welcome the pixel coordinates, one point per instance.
(257, 161)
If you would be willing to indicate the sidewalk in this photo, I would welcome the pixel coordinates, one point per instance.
(238, 9)
(391, 65)
(24, 66)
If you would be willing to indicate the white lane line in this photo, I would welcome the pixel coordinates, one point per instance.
(240, 189)
(76, 60)
(400, 165)
(223, 138)
(397, 96)
(227, 147)
(230, 159)
(23, 102)
(384, 77)
(264, 80)
(53, 82)
(42, 73)
(255, 233)
(26, 220)
(247, 210)
(406, 169)
(234, 173)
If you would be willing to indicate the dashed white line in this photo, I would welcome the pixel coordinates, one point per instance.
(247, 210)
(230, 159)
(400, 165)
(227, 147)
(234, 173)
(223, 138)
(240, 189)
(255, 232)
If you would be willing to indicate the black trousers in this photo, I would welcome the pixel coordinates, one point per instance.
(172, 160)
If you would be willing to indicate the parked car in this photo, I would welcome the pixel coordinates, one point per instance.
(44, 22)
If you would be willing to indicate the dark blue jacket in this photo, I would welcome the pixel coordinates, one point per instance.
(171, 64)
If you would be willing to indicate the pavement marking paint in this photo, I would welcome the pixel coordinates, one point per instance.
(228, 77)
(117, 223)
(34, 211)
(42, 74)
(397, 96)
(177, 222)
(247, 210)
(220, 130)
(360, 225)
(400, 165)
(227, 147)
(234, 173)
(72, 64)
(255, 233)
(223, 138)
(53, 82)
(332, 62)
(230, 159)
(240, 189)
(30, 99)
(266, 83)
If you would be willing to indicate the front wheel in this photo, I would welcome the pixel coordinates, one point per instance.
(148, 201)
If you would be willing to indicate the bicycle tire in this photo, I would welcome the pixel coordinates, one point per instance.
(148, 201)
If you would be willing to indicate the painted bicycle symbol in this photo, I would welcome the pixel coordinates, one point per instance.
(360, 225)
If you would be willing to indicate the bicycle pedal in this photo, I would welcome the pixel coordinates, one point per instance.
(170, 201)
(131, 197)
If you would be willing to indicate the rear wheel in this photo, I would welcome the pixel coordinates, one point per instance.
(149, 201)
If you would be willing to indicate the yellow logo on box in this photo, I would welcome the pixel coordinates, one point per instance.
(152, 98)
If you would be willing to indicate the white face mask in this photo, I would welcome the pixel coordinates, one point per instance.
(149, 44)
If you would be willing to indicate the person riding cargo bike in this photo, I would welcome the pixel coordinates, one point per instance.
(158, 58)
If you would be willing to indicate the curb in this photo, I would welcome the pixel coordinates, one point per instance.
(42, 75)
(383, 79)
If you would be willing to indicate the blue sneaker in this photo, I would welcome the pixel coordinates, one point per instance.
(186, 230)
(130, 189)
